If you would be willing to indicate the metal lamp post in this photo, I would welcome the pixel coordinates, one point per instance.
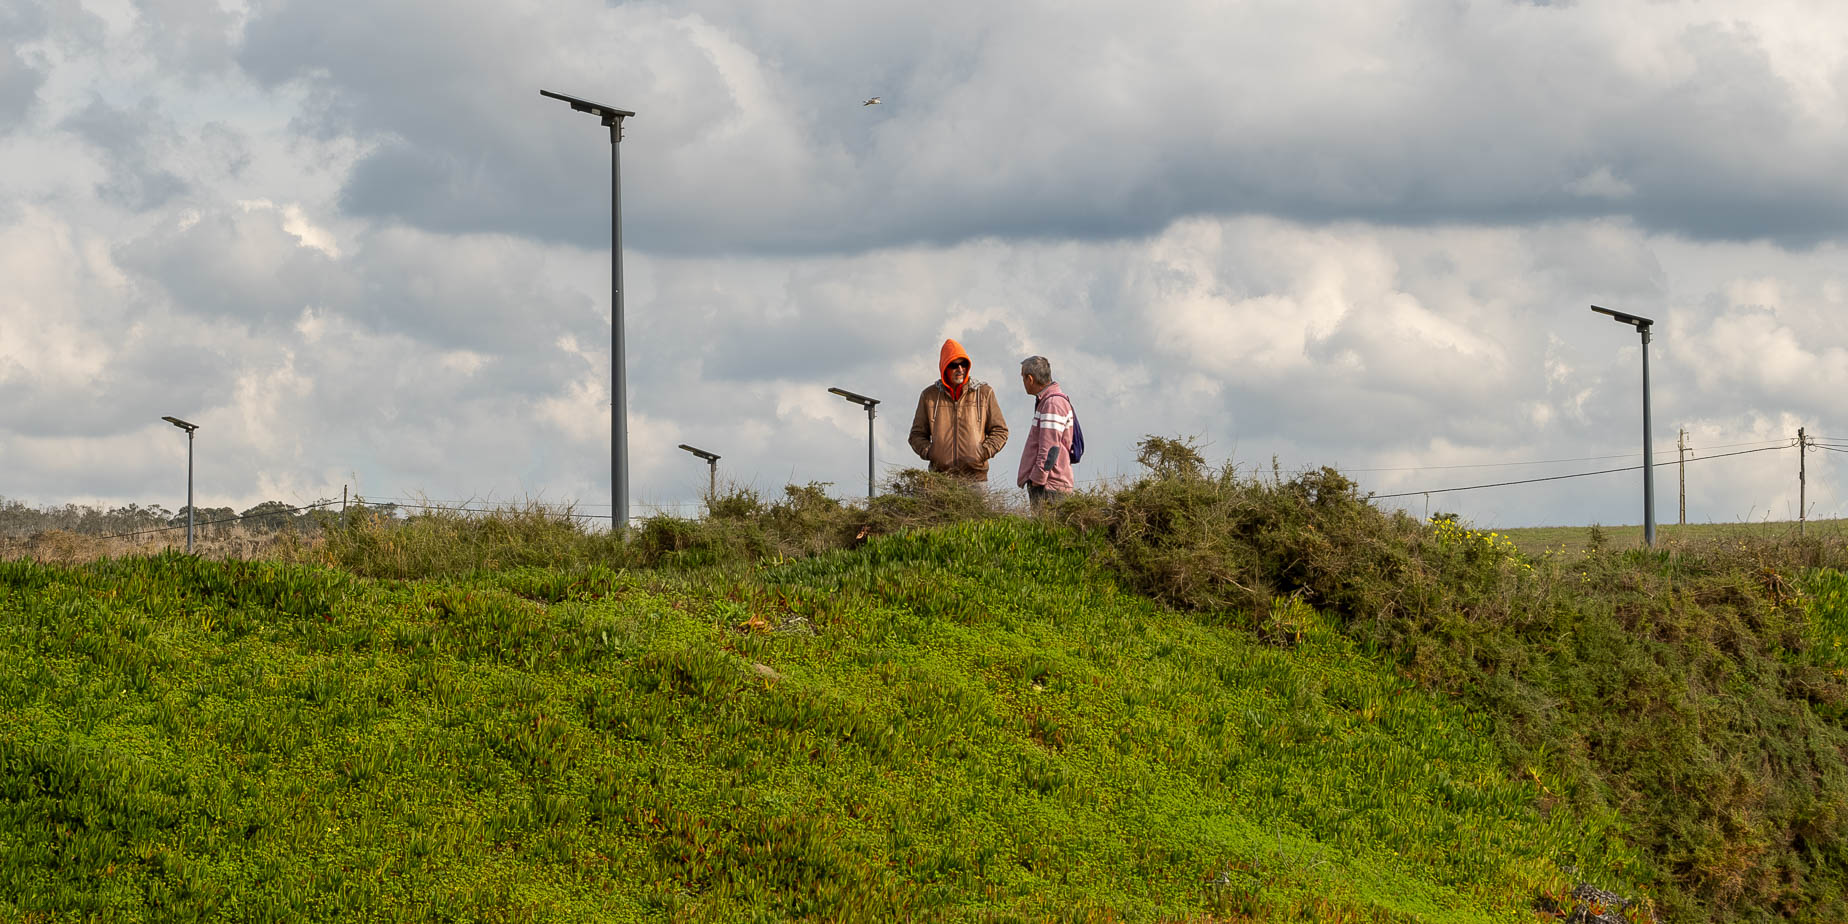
(1642, 326)
(619, 387)
(712, 460)
(867, 403)
(189, 428)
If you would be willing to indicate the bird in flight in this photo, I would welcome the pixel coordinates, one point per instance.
(871, 102)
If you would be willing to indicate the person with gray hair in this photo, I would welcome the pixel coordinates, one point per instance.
(1046, 462)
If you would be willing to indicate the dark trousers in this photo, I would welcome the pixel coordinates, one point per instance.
(1038, 496)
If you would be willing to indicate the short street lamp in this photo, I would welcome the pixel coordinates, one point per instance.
(867, 403)
(712, 459)
(619, 377)
(189, 428)
(1642, 326)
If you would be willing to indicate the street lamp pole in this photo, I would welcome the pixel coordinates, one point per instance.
(619, 374)
(867, 403)
(712, 460)
(1642, 326)
(189, 428)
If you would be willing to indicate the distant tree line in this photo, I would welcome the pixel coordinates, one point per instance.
(19, 519)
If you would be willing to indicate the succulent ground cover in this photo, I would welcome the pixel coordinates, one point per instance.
(1194, 697)
(971, 722)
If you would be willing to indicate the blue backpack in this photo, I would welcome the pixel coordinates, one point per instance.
(1077, 431)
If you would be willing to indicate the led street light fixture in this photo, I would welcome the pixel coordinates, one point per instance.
(1636, 321)
(708, 456)
(860, 400)
(181, 424)
(608, 114)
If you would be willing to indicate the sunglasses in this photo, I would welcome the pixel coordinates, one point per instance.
(959, 364)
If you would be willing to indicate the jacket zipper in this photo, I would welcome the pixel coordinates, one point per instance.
(955, 431)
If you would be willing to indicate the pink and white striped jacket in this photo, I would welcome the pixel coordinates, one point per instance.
(1052, 426)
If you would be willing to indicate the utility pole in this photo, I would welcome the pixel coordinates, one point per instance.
(869, 404)
(1802, 484)
(1642, 326)
(189, 428)
(712, 463)
(619, 372)
(1681, 455)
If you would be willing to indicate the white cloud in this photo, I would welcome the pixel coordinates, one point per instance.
(1290, 229)
(295, 222)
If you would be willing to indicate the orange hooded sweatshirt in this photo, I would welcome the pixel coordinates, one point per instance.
(957, 429)
(951, 352)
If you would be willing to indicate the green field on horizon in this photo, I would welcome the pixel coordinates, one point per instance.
(1536, 540)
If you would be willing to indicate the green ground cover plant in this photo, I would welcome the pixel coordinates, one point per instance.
(1197, 696)
(975, 722)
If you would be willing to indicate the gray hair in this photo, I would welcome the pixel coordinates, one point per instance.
(1039, 367)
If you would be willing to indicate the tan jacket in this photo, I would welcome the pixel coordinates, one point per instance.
(958, 437)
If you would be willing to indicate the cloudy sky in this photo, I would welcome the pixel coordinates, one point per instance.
(352, 242)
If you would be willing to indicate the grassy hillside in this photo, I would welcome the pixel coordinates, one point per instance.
(1196, 698)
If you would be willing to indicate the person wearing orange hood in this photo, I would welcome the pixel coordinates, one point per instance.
(958, 426)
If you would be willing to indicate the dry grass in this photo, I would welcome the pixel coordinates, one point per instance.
(61, 547)
(741, 527)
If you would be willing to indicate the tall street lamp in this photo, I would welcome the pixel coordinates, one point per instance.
(867, 403)
(189, 428)
(712, 460)
(1642, 326)
(619, 387)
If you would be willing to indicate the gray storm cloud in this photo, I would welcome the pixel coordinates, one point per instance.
(19, 79)
(19, 85)
(128, 139)
(1088, 122)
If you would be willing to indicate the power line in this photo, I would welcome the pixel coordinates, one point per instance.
(1607, 471)
(1433, 468)
(1622, 455)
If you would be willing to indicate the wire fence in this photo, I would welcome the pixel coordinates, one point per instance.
(360, 502)
(563, 508)
(255, 515)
